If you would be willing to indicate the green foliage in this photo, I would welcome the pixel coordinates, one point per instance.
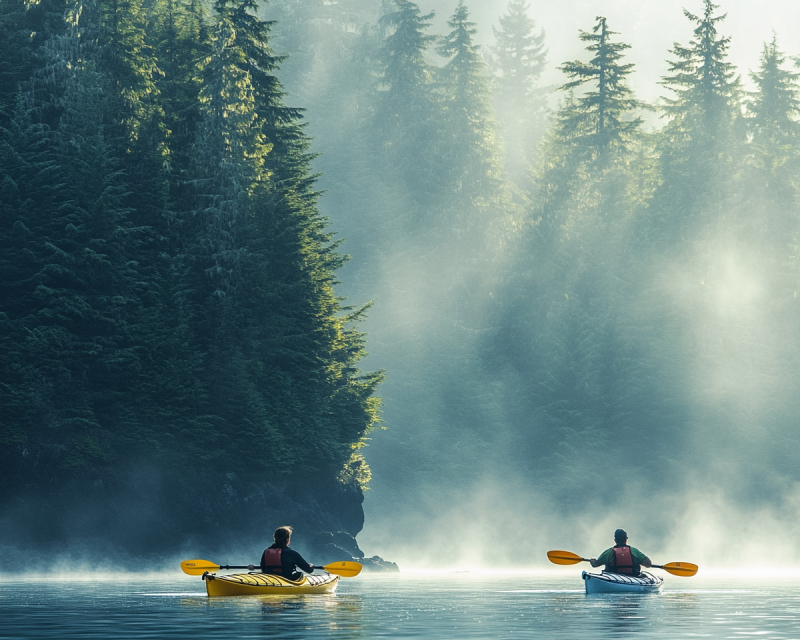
(469, 148)
(168, 283)
(583, 182)
(703, 81)
(518, 60)
(598, 122)
(406, 109)
(772, 112)
(701, 143)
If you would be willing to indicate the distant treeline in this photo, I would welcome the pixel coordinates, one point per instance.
(557, 293)
(167, 287)
(560, 292)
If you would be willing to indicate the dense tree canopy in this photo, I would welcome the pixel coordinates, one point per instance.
(167, 278)
(546, 284)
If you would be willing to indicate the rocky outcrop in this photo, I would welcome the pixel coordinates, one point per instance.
(147, 510)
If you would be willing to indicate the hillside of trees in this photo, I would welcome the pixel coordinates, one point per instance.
(601, 284)
(562, 280)
(167, 279)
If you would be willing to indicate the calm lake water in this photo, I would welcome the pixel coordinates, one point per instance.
(455, 605)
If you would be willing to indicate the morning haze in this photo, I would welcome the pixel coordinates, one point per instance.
(572, 297)
(610, 340)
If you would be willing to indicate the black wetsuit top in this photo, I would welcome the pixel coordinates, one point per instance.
(290, 560)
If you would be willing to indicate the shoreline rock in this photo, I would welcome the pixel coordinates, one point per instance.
(146, 510)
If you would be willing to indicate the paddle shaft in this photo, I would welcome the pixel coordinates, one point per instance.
(343, 568)
(253, 567)
(685, 569)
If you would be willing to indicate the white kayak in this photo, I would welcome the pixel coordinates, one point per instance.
(618, 583)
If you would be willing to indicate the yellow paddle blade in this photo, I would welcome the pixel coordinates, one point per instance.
(685, 569)
(563, 557)
(198, 567)
(344, 568)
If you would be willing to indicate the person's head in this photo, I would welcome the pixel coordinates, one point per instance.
(283, 535)
(620, 536)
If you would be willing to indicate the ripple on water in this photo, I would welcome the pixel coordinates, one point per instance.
(399, 606)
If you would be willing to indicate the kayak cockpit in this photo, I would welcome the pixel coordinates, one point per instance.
(607, 582)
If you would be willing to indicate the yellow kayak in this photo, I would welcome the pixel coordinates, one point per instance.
(250, 584)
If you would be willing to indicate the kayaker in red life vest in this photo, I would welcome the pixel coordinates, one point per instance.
(622, 558)
(280, 560)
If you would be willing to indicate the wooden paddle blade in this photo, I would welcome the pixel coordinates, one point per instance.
(563, 557)
(344, 569)
(685, 569)
(198, 567)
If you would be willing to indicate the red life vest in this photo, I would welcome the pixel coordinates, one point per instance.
(272, 561)
(622, 561)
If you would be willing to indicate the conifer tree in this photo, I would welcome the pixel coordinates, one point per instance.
(406, 108)
(585, 158)
(468, 151)
(772, 112)
(763, 212)
(180, 39)
(24, 29)
(704, 83)
(262, 270)
(701, 142)
(231, 147)
(518, 60)
(213, 335)
(567, 270)
(599, 122)
(127, 58)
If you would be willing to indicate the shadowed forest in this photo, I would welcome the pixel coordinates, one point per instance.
(585, 305)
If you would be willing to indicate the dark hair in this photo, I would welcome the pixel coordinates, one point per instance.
(620, 536)
(282, 535)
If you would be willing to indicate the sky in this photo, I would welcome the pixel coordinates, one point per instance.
(649, 26)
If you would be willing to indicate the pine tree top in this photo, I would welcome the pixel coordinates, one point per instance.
(700, 76)
(519, 55)
(600, 116)
(775, 105)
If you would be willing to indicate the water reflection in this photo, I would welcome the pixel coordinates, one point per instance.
(293, 616)
(623, 614)
(297, 617)
(393, 608)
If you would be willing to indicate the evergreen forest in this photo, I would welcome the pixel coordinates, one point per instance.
(167, 279)
(577, 295)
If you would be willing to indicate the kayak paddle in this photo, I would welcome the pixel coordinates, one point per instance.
(344, 568)
(565, 557)
(684, 569)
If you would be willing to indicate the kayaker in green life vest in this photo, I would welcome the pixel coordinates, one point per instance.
(622, 558)
(280, 560)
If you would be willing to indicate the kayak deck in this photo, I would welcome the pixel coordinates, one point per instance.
(246, 584)
(618, 583)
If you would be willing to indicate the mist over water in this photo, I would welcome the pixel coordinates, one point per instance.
(698, 457)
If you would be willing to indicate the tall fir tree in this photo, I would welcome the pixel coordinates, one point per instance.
(469, 150)
(588, 148)
(763, 219)
(772, 118)
(24, 28)
(701, 142)
(406, 109)
(557, 330)
(518, 59)
(599, 122)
